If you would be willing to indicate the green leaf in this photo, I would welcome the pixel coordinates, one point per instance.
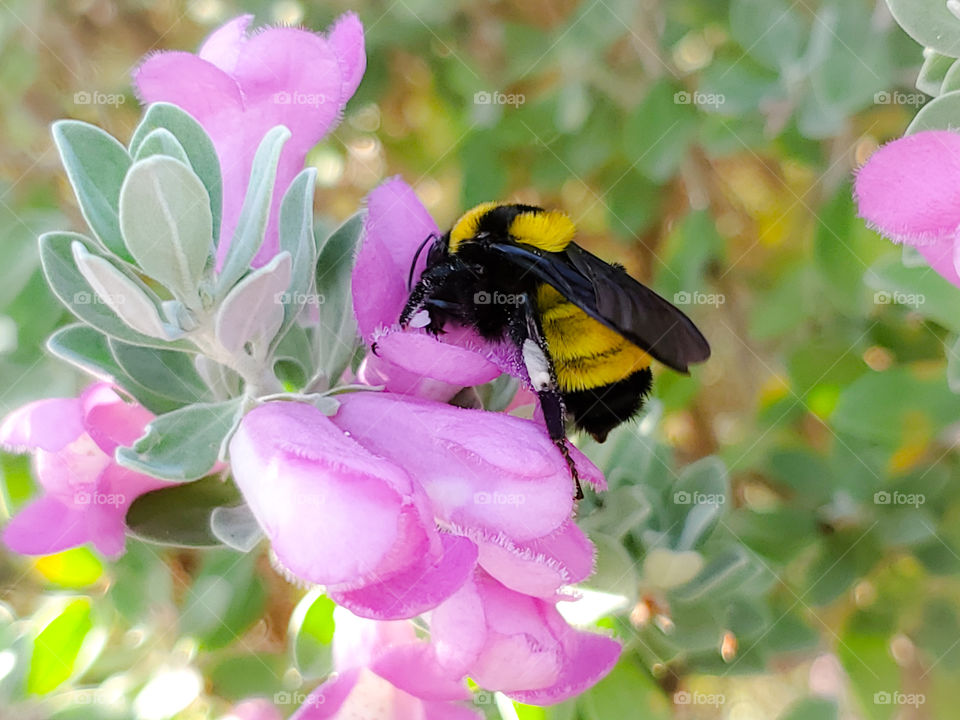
(951, 81)
(236, 527)
(811, 709)
(252, 312)
(89, 350)
(255, 212)
(96, 165)
(73, 290)
(297, 238)
(167, 224)
(225, 599)
(930, 23)
(938, 114)
(925, 291)
(57, 645)
(182, 445)
(771, 31)
(180, 515)
(627, 686)
(658, 134)
(934, 72)
(162, 142)
(195, 143)
(334, 267)
(310, 633)
(164, 372)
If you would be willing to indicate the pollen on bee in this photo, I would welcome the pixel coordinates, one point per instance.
(421, 319)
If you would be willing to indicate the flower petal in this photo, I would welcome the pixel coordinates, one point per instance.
(538, 567)
(910, 189)
(416, 589)
(480, 469)
(223, 46)
(395, 226)
(109, 420)
(44, 424)
(331, 508)
(423, 356)
(326, 701)
(346, 38)
(414, 669)
(45, 526)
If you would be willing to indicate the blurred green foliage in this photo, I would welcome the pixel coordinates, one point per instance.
(707, 145)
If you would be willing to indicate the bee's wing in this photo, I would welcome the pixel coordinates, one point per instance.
(608, 294)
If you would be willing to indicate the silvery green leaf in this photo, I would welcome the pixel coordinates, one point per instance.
(236, 527)
(88, 349)
(932, 23)
(73, 290)
(162, 142)
(178, 315)
(933, 72)
(180, 515)
(337, 338)
(96, 165)
(938, 114)
(182, 445)
(222, 381)
(121, 294)
(296, 346)
(297, 238)
(166, 223)
(195, 143)
(666, 569)
(253, 311)
(725, 571)
(165, 372)
(255, 212)
(951, 80)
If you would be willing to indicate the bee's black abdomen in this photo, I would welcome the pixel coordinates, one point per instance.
(599, 410)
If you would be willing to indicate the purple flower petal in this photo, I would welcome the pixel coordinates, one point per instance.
(910, 189)
(325, 702)
(538, 567)
(395, 226)
(223, 46)
(416, 589)
(109, 420)
(413, 668)
(424, 356)
(331, 509)
(346, 38)
(480, 469)
(45, 526)
(45, 424)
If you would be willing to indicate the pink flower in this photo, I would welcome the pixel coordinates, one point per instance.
(384, 671)
(86, 494)
(356, 502)
(411, 361)
(517, 644)
(239, 86)
(254, 709)
(909, 190)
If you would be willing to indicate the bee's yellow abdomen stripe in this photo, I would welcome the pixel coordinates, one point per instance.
(466, 226)
(586, 354)
(551, 231)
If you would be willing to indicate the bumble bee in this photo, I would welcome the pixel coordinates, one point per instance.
(585, 330)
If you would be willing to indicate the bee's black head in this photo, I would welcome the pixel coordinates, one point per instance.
(435, 255)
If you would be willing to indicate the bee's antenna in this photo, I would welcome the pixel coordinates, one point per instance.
(416, 257)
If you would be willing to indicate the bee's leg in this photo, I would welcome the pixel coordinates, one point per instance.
(525, 331)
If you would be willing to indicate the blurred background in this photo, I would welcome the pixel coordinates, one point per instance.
(783, 527)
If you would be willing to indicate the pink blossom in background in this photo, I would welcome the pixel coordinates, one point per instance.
(254, 709)
(86, 494)
(240, 85)
(909, 190)
(385, 672)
